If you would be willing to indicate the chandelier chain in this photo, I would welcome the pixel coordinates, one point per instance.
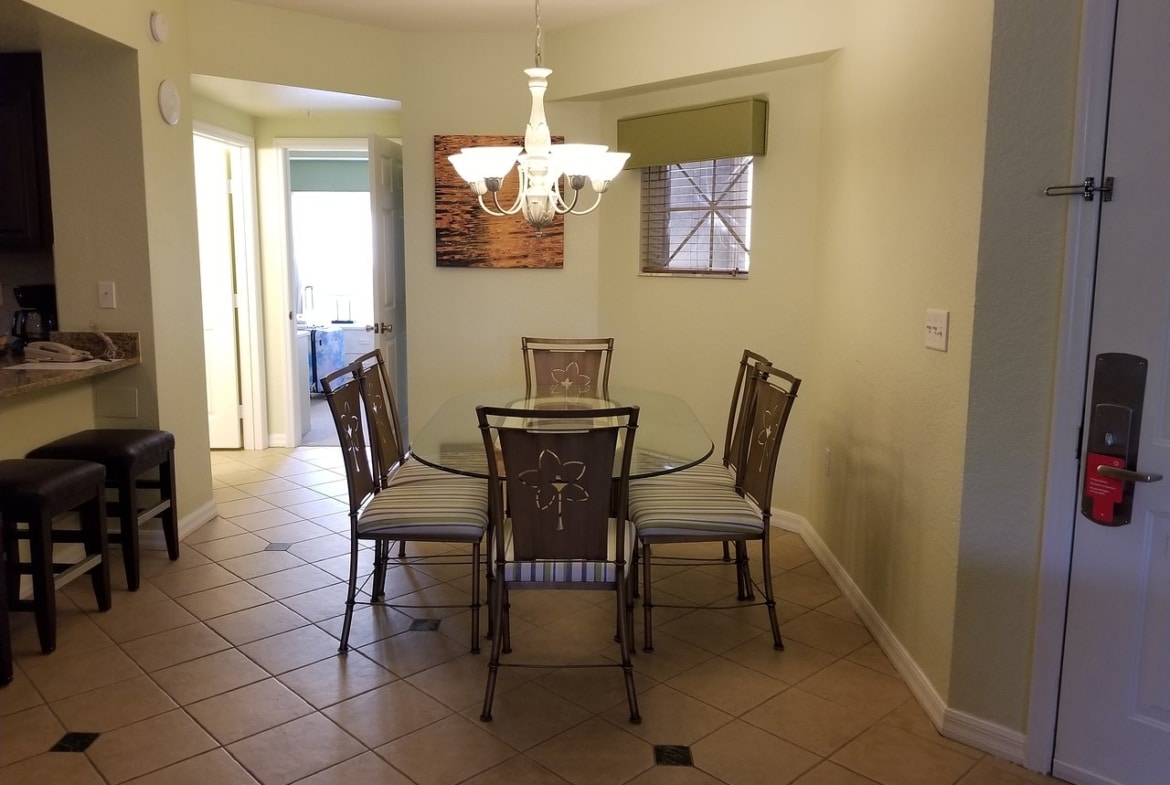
(538, 35)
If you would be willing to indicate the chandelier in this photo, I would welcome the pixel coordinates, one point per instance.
(539, 164)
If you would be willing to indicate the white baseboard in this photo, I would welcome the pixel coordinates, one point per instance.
(972, 731)
(277, 440)
(152, 538)
(1076, 774)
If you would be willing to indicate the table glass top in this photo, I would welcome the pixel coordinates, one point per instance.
(669, 436)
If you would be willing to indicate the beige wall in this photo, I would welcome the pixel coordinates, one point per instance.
(1013, 358)
(905, 116)
(123, 205)
(687, 334)
(464, 325)
(875, 203)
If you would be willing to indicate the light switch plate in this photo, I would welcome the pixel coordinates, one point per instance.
(937, 329)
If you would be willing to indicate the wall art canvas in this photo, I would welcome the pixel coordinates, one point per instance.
(466, 236)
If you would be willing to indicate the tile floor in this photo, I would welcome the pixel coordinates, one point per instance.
(223, 668)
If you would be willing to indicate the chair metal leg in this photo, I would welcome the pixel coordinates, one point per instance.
(624, 631)
(351, 595)
(505, 627)
(402, 549)
(475, 602)
(743, 571)
(726, 551)
(769, 594)
(378, 579)
(496, 610)
(647, 602)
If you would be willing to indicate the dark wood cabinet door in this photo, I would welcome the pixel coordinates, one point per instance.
(25, 208)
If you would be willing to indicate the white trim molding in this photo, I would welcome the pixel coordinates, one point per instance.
(970, 730)
(152, 539)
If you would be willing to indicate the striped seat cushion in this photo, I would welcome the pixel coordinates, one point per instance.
(417, 471)
(692, 511)
(709, 472)
(449, 510)
(574, 571)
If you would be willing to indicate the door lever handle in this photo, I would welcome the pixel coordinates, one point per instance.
(1128, 476)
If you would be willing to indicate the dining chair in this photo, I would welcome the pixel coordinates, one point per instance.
(714, 512)
(560, 517)
(406, 509)
(569, 368)
(719, 470)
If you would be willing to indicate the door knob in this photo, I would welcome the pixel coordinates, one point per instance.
(379, 327)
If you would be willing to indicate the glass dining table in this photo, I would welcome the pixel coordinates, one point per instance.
(669, 437)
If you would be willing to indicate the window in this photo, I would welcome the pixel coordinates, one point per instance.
(697, 217)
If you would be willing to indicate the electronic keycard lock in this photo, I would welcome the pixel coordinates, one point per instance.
(1115, 422)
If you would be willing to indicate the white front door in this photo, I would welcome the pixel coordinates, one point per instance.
(1114, 716)
(217, 281)
(389, 278)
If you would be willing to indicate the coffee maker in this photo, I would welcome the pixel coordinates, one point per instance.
(37, 315)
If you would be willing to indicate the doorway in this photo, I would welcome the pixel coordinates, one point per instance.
(230, 289)
(346, 266)
(1103, 624)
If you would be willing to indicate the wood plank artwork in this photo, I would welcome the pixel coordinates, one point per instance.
(466, 236)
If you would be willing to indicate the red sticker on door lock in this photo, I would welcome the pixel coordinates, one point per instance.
(1104, 491)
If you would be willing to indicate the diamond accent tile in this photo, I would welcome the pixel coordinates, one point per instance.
(673, 755)
(74, 742)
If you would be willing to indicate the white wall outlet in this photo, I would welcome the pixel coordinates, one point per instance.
(937, 328)
(107, 295)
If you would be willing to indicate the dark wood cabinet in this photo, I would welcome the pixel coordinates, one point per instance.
(26, 220)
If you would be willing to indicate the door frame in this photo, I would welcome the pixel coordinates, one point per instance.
(1068, 402)
(249, 313)
(283, 146)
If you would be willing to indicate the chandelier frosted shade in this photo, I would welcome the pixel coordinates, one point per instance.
(540, 167)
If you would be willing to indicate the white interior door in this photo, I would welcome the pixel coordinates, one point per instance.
(389, 277)
(1114, 716)
(217, 278)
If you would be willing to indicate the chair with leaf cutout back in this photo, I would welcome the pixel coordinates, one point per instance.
(569, 368)
(560, 516)
(716, 470)
(713, 512)
(407, 509)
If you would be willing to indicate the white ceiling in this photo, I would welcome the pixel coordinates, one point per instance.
(22, 25)
(267, 100)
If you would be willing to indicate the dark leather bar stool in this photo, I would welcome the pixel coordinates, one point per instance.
(32, 494)
(128, 454)
(5, 632)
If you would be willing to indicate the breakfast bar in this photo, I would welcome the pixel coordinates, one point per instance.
(38, 404)
(18, 377)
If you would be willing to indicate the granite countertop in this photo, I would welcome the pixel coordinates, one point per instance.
(14, 382)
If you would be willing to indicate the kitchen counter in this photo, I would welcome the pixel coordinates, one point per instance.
(17, 382)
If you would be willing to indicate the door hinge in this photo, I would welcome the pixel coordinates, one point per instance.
(1086, 189)
(240, 412)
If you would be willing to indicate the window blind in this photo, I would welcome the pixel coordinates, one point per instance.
(696, 217)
